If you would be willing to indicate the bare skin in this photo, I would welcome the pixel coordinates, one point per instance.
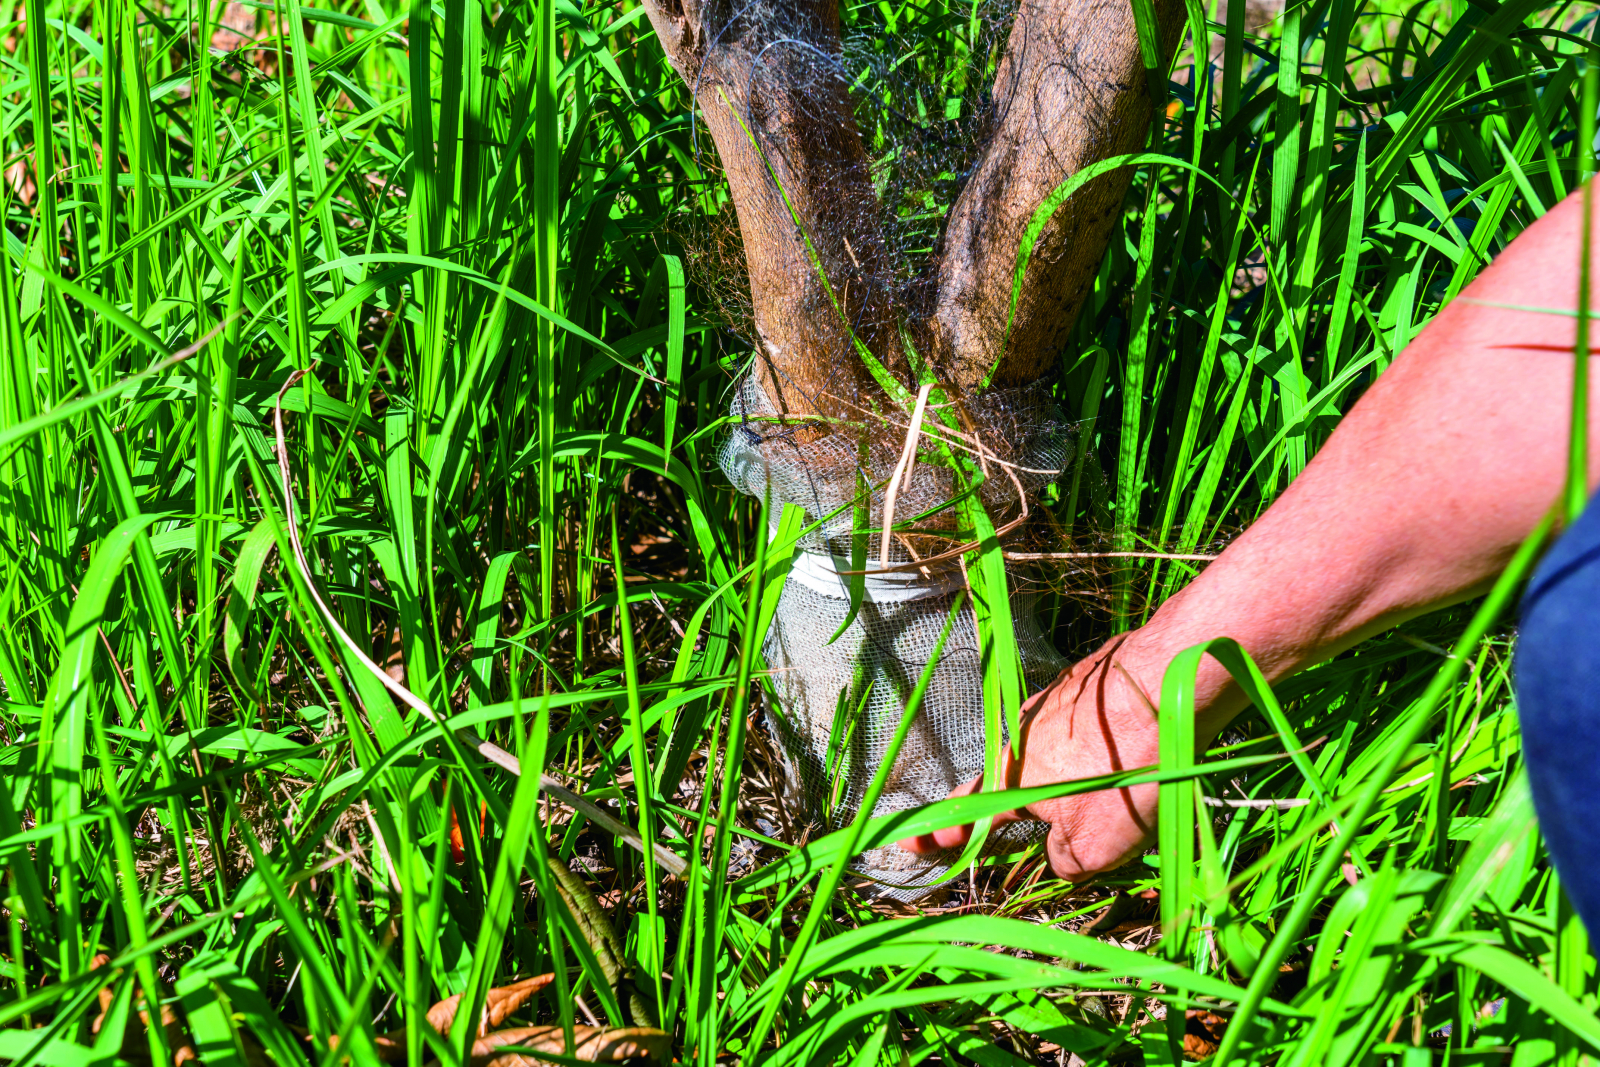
(1417, 501)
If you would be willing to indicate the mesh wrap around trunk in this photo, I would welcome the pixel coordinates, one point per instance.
(833, 742)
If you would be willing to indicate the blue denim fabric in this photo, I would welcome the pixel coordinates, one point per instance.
(1558, 697)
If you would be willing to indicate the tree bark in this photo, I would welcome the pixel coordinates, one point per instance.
(1070, 90)
(766, 79)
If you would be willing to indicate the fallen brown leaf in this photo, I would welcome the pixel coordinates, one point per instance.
(501, 1002)
(20, 177)
(592, 1044)
(1202, 1033)
(20, 17)
(235, 29)
(134, 1048)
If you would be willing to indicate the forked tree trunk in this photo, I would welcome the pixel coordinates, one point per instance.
(1070, 91)
(829, 296)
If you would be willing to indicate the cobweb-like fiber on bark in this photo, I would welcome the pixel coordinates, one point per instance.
(867, 134)
(840, 699)
(885, 162)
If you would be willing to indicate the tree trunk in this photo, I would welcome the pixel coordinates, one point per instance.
(1070, 90)
(832, 293)
(783, 126)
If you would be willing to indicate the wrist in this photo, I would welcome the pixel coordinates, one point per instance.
(1187, 620)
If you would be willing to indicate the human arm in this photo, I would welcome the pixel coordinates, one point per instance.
(1416, 501)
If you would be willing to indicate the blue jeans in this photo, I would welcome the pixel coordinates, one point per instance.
(1558, 698)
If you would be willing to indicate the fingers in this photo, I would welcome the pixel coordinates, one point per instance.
(950, 836)
(958, 836)
(1088, 835)
(1072, 865)
(1065, 860)
(1079, 726)
(955, 836)
(1098, 832)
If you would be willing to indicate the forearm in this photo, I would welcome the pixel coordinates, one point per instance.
(1419, 497)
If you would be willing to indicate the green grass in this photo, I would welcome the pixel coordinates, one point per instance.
(460, 221)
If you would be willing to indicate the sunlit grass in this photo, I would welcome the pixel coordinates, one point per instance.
(460, 222)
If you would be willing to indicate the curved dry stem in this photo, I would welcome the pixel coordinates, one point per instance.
(488, 749)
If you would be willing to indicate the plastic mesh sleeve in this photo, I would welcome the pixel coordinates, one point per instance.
(840, 699)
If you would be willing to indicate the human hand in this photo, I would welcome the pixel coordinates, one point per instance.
(1418, 500)
(1096, 718)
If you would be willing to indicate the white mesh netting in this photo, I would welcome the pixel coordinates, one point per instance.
(841, 700)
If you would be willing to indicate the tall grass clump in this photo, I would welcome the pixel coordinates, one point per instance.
(424, 268)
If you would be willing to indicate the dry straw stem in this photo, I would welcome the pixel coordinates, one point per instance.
(924, 562)
(488, 749)
(942, 434)
(908, 459)
(1263, 804)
